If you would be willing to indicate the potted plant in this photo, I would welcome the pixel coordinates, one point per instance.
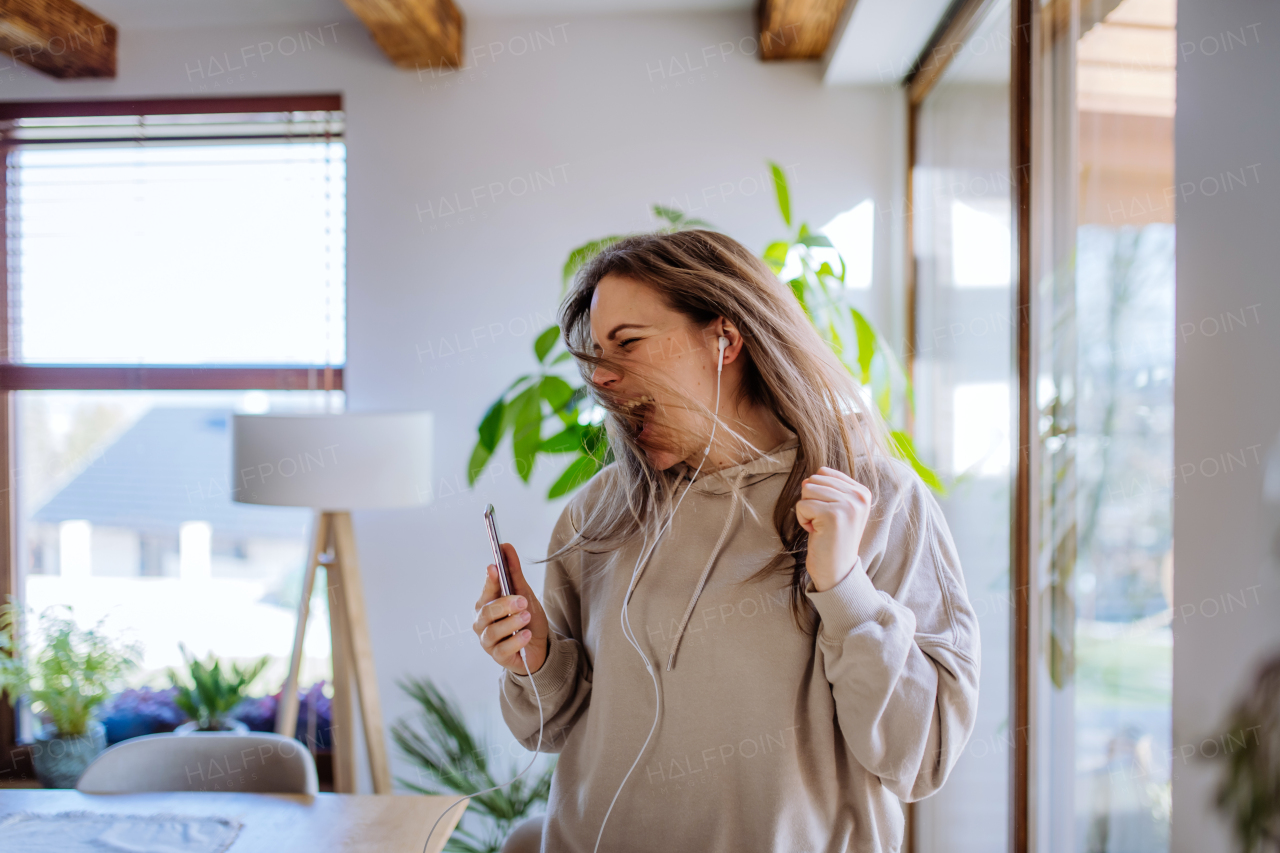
(1248, 793)
(213, 694)
(65, 672)
(449, 758)
(549, 411)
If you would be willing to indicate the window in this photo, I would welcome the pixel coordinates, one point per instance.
(965, 383)
(146, 239)
(1105, 400)
(169, 263)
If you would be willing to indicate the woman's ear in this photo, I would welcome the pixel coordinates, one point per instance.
(725, 329)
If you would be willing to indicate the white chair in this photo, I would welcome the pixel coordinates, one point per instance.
(257, 763)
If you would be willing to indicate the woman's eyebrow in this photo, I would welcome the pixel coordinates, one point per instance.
(622, 326)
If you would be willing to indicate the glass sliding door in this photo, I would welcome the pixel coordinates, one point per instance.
(1105, 325)
(965, 383)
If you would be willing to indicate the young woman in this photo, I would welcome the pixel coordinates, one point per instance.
(754, 632)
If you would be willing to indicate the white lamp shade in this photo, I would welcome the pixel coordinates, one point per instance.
(333, 462)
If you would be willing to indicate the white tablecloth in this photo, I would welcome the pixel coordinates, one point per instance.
(88, 832)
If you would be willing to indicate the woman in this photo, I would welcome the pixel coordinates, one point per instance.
(810, 656)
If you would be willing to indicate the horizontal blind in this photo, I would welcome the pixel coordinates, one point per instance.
(177, 239)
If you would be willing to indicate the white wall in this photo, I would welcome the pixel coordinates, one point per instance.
(1226, 388)
(602, 111)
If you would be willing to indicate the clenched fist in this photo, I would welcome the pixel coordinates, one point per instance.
(833, 508)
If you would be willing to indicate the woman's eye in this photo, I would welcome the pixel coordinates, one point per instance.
(627, 342)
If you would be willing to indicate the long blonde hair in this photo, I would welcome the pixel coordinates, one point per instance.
(787, 369)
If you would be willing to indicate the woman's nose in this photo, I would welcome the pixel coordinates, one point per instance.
(604, 378)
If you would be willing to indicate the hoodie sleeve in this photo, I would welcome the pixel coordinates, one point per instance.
(899, 645)
(564, 679)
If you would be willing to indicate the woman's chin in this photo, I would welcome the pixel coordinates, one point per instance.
(660, 459)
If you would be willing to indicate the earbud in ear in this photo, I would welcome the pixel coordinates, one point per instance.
(724, 342)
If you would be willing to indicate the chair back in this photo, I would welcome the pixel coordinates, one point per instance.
(256, 763)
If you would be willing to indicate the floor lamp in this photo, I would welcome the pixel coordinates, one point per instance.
(334, 464)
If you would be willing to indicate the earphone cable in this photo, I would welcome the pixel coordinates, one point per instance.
(536, 748)
(625, 618)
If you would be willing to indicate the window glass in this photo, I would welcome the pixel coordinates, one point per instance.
(178, 253)
(964, 382)
(1106, 330)
(125, 512)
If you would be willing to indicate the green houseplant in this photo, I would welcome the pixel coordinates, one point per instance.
(213, 694)
(1248, 792)
(65, 672)
(549, 410)
(451, 759)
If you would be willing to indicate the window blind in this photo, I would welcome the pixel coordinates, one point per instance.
(176, 239)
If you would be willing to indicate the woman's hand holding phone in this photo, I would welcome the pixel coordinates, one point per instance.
(499, 616)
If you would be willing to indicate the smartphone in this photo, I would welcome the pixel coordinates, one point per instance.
(499, 560)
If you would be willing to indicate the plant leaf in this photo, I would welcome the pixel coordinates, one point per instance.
(555, 391)
(545, 342)
(491, 426)
(579, 256)
(671, 214)
(564, 441)
(526, 430)
(775, 255)
(814, 239)
(906, 449)
(784, 196)
(579, 471)
(677, 219)
(479, 459)
(866, 336)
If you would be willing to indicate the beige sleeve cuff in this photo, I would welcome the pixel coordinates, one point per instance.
(556, 671)
(848, 604)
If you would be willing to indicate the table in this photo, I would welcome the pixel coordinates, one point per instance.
(274, 823)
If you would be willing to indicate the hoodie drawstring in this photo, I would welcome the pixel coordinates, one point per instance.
(706, 570)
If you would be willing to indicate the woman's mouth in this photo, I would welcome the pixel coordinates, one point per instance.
(637, 414)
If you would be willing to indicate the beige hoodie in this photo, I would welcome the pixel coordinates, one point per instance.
(768, 738)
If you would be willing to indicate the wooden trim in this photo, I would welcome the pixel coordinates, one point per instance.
(909, 269)
(953, 32)
(414, 34)
(169, 106)
(213, 139)
(1020, 97)
(115, 377)
(59, 37)
(796, 29)
(8, 573)
(8, 563)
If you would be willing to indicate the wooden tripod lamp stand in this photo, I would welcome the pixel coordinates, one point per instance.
(336, 463)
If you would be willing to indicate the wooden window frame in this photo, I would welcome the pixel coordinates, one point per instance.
(957, 25)
(15, 762)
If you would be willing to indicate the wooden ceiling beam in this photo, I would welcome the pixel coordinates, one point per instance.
(59, 37)
(796, 29)
(414, 33)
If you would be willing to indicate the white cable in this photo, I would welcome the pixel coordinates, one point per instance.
(625, 619)
(518, 775)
